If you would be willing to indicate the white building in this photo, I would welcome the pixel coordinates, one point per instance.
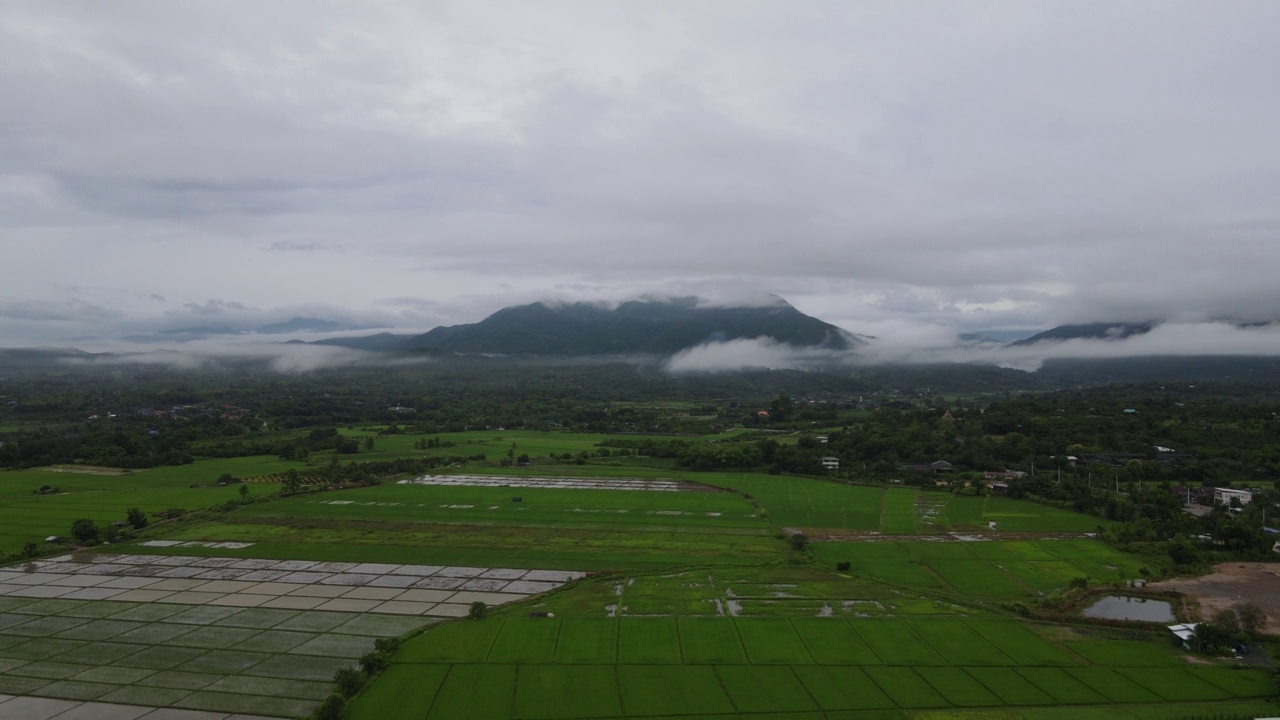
(1224, 496)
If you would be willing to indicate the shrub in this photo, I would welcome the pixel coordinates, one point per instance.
(374, 661)
(136, 518)
(331, 708)
(84, 531)
(477, 610)
(843, 566)
(348, 681)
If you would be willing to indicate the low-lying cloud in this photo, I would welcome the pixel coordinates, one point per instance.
(751, 353)
(933, 344)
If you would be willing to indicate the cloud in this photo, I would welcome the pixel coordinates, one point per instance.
(65, 310)
(919, 343)
(215, 307)
(934, 344)
(290, 246)
(877, 164)
(750, 353)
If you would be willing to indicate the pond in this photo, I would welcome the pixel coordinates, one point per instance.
(1124, 607)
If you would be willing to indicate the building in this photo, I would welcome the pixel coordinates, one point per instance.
(830, 463)
(1224, 496)
(1003, 475)
(1184, 632)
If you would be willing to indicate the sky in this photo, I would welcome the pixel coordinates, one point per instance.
(909, 170)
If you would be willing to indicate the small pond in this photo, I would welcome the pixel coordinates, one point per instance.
(1124, 607)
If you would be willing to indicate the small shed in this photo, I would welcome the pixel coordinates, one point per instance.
(1184, 632)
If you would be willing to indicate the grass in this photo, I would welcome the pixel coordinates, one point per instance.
(982, 570)
(898, 512)
(709, 615)
(710, 640)
(790, 666)
(26, 515)
(549, 528)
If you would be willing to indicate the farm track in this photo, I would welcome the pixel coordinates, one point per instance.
(838, 535)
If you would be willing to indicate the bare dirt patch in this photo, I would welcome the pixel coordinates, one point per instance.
(1233, 584)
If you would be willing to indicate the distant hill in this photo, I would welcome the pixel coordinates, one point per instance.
(1089, 331)
(317, 325)
(295, 325)
(380, 341)
(638, 326)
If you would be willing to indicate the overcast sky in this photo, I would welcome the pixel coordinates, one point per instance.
(902, 169)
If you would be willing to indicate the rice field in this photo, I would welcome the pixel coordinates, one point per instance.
(812, 503)
(983, 570)
(700, 611)
(758, 667)
(26, 515)
(259, 661)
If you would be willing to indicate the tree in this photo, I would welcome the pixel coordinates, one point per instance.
(348, 681)
(244, 491)
(331, 708)
(1252, 619)
(136, 518)
(84, 531)
(477, 610)
(292, 480)
(780, 408)
(1227, 620)
(1182, 552)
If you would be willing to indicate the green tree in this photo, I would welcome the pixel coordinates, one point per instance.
(84, 531)
(348, 681)
(136, 518)
(1252, 619)
(477, 610)
(244, 491)
(781, 408)
(331, 708)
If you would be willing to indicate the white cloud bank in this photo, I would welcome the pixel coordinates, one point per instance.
(927, 345)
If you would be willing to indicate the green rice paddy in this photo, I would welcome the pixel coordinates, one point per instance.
(26, 515)
(982, 570)
(700, 609)
(735, 667)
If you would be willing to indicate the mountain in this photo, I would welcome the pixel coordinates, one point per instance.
(379, 341)
(316, 325)
(1089, 331)
(295, 325)
(202, 330)
(182, 335)
(638, 326)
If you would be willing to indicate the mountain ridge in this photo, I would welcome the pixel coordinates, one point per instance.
(636, 326)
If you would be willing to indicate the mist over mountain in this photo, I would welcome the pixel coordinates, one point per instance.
(292, 326)
(660, 327)
(1089, 331)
